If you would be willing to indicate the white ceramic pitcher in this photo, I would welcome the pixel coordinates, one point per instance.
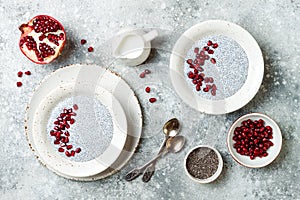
(133, 47)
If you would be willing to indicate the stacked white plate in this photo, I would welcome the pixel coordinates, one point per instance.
(124, 121)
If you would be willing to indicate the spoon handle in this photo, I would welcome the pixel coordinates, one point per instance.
(133, 174)
(149, 171)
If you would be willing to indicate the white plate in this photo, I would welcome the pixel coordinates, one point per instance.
(114, 85)
(255, 68)
(273, 151)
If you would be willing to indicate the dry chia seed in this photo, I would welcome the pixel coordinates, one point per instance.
(231, 68)
(202, 163)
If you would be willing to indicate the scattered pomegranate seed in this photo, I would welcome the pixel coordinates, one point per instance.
(152, 100)
(209, 43)
(60, 149)
(142, 75)
(68, 154)
(20, 74)
(196, 50)
(72, 153)
(210, 51)
(213, 60)
(147, 71)
(82, 42)
(75, 106)
(252, 138)
(206, 48)
(90, 49)
(147, 89)
(78, 150)
(27, 73)
(215, 45)
(213, 92)
(19, 84)
(69, 146)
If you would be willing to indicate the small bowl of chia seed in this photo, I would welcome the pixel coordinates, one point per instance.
(203, 164)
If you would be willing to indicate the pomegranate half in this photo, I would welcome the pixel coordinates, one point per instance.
(42, 39)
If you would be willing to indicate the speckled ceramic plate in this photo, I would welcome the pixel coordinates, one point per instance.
(253, 71)
(273, 151)
(109, 88)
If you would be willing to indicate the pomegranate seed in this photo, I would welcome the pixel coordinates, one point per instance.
(72, 121)
(142, 75)
(56, 142)
(20, 74)
(206, 48)
(205, 89)
(210, 51)
(75, 106)
(206, 57)
(147, 89)
(90, 49)
(68, 154)
(78, 150)
(52, 133)
(82, 42)
(27, 73)
(72, 153)
(209, 43)
(60, 149)
(196, 50)
(147, 71)
(213, 92)
(189, 61)
(66, 140)
(69, 146)
(152, 100)
(215, 45)
(19, 84)
(198, 87)
(213, 60)
(67, 133)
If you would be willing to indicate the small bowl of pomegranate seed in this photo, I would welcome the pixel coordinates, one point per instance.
(254, 140)
(203, 164)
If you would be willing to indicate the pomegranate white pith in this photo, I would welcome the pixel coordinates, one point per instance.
(42, 39)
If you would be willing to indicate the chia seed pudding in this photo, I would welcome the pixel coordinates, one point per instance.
(92, 131)
(202, 163)
(228, 67)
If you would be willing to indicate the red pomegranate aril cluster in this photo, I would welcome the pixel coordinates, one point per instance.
(54, 38)
(44, 24)
(197, 68)
(253, 138)
(61, 134)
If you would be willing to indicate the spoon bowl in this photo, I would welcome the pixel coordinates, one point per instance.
(175, 144)
(171, 127)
